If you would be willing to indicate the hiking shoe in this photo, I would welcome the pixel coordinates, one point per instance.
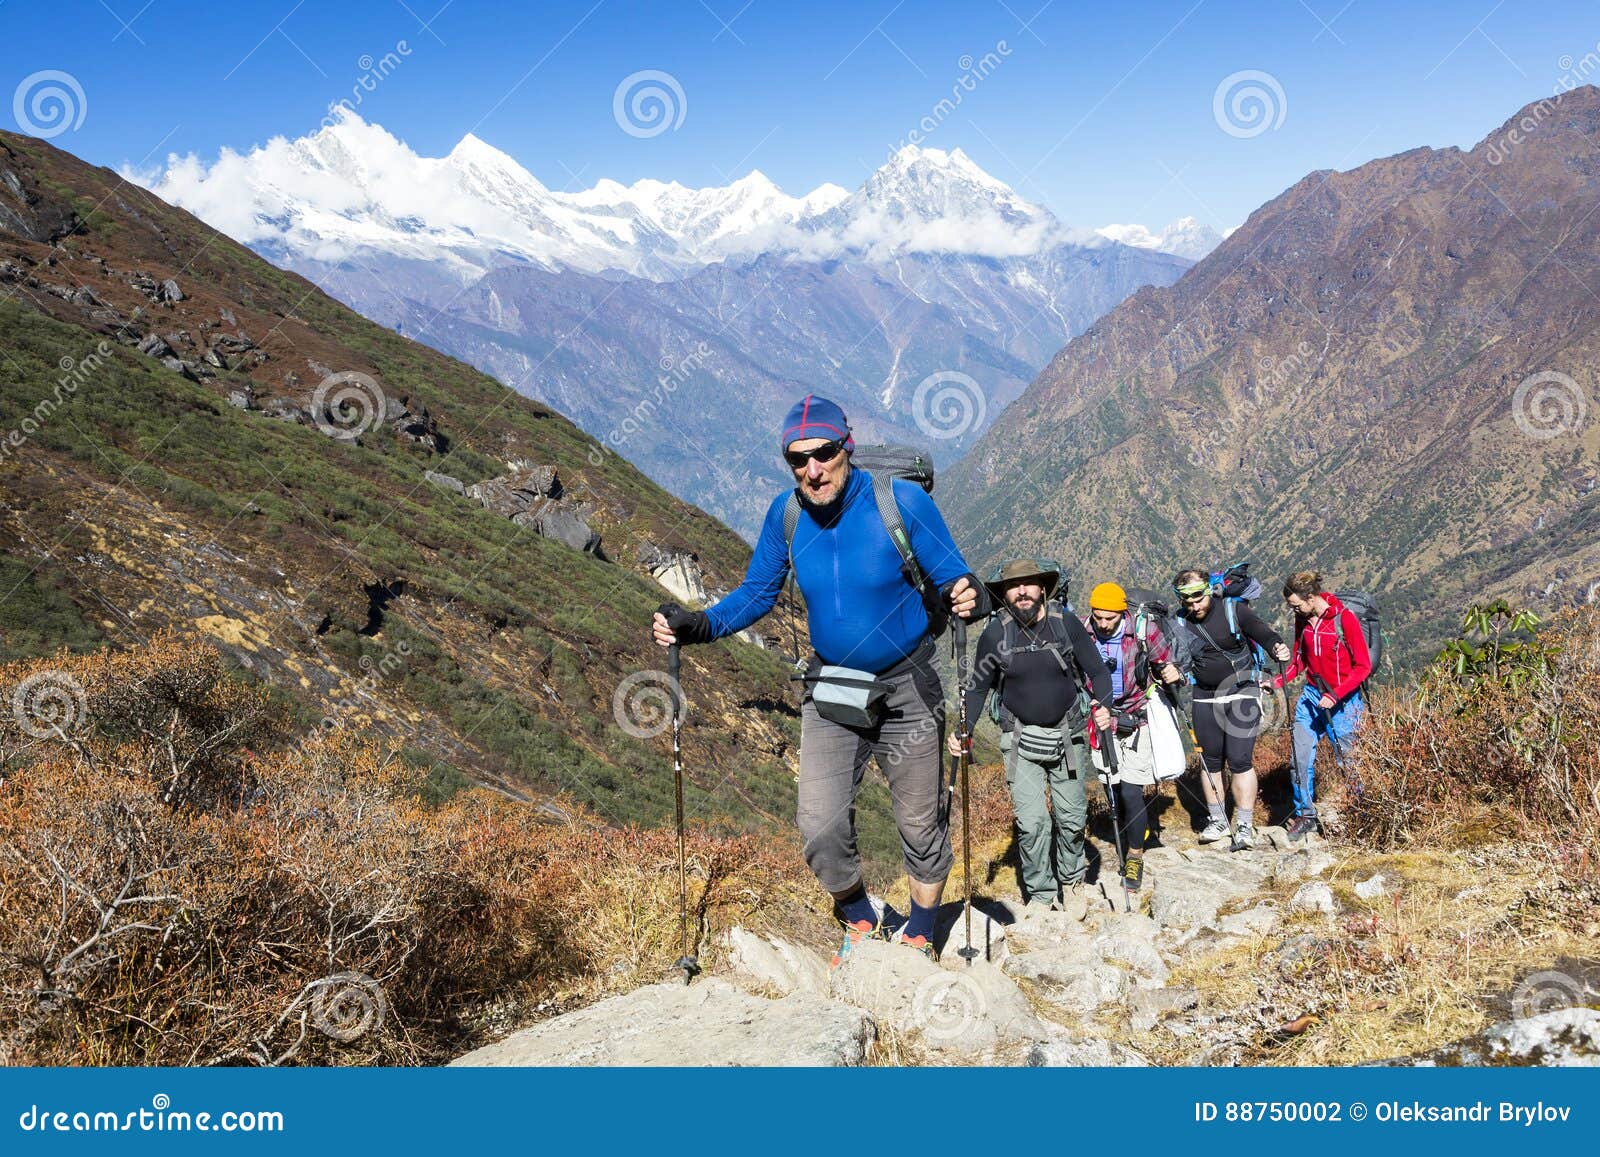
(1300, 826)
(1244, 838)
(917, 944)
(854, 934)
(1213, 831)
(1133, 873)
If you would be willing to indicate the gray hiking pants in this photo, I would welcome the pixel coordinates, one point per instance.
(909, 746)
(1051, 812)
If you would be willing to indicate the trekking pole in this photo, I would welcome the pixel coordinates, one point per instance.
(688, 963)
(1108, 749)
(958, 638)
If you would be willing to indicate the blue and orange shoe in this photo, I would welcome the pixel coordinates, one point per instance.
(854, 934)
(918, 944)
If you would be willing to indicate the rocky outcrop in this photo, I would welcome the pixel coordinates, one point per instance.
(533, 496)
(678, 571)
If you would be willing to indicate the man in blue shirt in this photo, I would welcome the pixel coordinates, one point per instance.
(865, 615)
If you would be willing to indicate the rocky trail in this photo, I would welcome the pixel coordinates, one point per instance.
(1089, 985)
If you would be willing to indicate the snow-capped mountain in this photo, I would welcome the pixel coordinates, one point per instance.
(352, 190)
(931, 266)
(1185, 237)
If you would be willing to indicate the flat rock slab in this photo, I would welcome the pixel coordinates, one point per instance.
(1187, 889)
(709, 1022)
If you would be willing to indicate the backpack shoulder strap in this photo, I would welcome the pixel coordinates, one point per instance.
(1233, 618)
(791, 520)
(894, 522)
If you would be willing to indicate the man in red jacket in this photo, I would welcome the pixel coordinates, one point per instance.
(1330, 649)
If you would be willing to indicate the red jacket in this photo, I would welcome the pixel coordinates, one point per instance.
(1337, 668)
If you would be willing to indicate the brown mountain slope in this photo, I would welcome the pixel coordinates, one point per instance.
(163, 463)
(1341, 383)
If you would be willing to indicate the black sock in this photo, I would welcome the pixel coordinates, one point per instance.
(921, 922)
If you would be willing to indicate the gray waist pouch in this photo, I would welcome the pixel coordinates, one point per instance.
(1041, 745)
(848, 697)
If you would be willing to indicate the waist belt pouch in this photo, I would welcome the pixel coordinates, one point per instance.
(848, 697)
(1041, 745)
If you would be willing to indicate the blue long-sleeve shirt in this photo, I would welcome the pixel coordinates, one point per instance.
(862, 612)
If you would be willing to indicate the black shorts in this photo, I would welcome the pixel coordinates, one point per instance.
(1226, 729)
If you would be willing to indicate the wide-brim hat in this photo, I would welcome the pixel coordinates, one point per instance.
(1023, 568)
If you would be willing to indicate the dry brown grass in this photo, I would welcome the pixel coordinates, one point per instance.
(1477, 759)
(170, 894)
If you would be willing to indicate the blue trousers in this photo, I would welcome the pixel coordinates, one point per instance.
(1311, 723)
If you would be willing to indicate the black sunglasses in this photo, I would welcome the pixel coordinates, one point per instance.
(826, 452)
(1195, 599)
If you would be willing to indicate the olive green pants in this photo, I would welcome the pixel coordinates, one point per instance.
(1051, 812)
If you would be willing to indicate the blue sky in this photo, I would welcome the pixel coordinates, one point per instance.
(1102, 111)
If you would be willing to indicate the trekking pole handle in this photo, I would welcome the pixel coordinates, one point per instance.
(675, 673)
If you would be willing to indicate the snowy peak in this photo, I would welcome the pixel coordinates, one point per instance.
(352, 188)
(1185, 237)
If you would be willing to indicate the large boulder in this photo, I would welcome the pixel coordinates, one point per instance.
(709, 1022)
(975, 1014)
(561, 524)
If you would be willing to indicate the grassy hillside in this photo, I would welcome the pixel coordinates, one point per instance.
(135, 496)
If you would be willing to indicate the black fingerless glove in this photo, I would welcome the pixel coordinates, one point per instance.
(690, 626)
